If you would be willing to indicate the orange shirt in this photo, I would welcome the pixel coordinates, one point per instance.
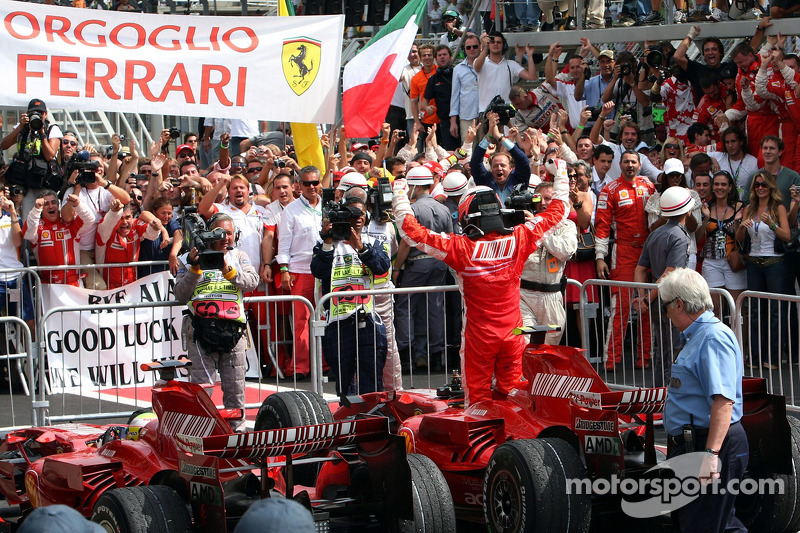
(418, 84)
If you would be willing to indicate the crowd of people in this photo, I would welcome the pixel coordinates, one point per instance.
(727, 136)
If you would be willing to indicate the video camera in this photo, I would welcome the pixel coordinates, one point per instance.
(523, 198)
(490, 216)
(380, 200)
(197, 235)
(504, 111)
(81, 162)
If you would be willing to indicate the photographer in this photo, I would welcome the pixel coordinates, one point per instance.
(355, 337)
(216, 339)
(37, 143)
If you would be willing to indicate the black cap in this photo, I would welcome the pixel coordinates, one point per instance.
(37, 105)
(361, 155)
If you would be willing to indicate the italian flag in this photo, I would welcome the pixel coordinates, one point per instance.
(371, 77)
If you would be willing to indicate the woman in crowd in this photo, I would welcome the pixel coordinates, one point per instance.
(721, 213)
(673, 149)
(764, 222)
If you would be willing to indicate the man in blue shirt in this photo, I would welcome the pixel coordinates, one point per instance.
(507, 168)
(464, 97)
(592, 89)
(704, 400)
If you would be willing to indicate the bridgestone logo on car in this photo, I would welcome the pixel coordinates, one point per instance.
(202, 471)
(594, 425)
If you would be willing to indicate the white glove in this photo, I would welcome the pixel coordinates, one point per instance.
(558, 168)
(694, 31)
(401, 205)
(709, 469)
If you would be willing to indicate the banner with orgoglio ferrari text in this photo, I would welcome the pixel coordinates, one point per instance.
(268, 68)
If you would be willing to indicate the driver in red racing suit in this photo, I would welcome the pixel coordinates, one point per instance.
(488, 260)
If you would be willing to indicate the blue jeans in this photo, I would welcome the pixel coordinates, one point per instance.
(355, 350)
(528, 12)
(765, 326)
(637, 8)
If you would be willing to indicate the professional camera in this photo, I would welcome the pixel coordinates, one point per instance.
(13, 190)
(596, 111)
(197, 235)
(86, 167)
(625, 70)
(35, 120)
(587, 72)
(338, 215)
(504, 111)
(380, 200)
(653, 56)
(174, 133)
(523, 198)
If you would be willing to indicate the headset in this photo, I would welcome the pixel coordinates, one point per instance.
(225, 216)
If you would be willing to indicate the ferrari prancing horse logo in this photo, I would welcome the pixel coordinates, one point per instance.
(300, 60)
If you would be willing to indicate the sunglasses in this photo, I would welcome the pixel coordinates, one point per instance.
(472, 46)
(238, 165)
(760, 185)
(573, 176)
(254, 169)
(671, 146)
(310, 183)
(69, 143)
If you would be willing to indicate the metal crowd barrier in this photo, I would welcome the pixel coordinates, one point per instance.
(645, 343)
(274, 343)
(770, 340)
(23, 361)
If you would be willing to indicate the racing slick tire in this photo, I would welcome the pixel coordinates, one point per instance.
(525, 488)
(145, 509)
(776, 512)
(291, 409)
(434, 511)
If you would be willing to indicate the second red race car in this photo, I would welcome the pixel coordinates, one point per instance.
(514, 464)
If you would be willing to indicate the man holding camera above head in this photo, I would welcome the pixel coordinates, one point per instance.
(508, 168)
(96, 193)
(298, 232)
(217, 340)
(354, 344)
(496, 74)
(38, 143)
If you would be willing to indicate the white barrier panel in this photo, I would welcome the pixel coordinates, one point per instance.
(205, 66)
(87, 349)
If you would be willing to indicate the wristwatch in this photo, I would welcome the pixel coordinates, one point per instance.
(712, 451)
(578, 205)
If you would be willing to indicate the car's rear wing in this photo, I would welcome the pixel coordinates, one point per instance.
(286, 441)
(638, 401)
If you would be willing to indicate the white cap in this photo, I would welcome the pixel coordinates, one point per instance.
(419, 176)
(673, 165)
(455, 184)
(676, 201)
(352, 179)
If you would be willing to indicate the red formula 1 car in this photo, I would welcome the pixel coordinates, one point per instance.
(512, 463)
(184, 470)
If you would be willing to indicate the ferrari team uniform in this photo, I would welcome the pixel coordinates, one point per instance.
(113, 248)
(780, 86)
(56, 243)
(541, 287)
(217, 340)
(762, 117)
(620, 207)
(488, 271)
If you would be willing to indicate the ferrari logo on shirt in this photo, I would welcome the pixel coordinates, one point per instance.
(300, 60)
(60, 235)
(639, 192)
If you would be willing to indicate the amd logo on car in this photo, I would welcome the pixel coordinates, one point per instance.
(601, 445)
